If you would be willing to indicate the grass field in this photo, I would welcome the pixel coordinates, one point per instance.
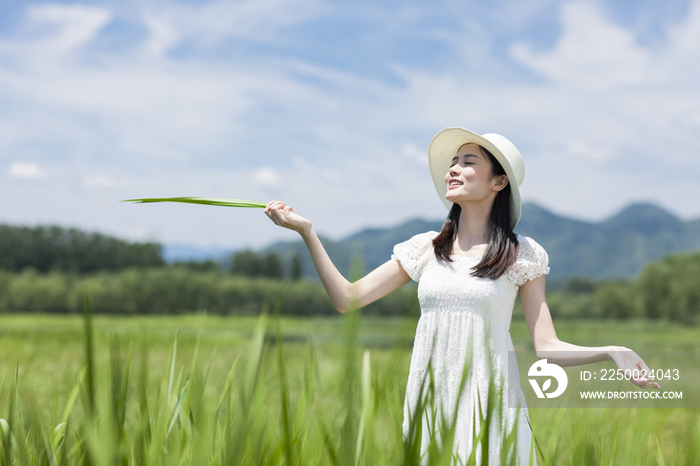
(234, 396)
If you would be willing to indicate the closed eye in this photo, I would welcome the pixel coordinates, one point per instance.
(464, 161)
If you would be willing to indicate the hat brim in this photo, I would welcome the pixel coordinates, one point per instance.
(444, 146)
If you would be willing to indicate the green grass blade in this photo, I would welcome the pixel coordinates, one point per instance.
(89, 355)
(73, 397)
(660, 455)
(217, 201)
(172, 367)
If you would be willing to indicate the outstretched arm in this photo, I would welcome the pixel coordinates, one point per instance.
(547, 345)
(380, 282)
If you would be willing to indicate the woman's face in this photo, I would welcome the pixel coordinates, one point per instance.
(469, 179)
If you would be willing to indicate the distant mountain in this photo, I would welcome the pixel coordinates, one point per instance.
(185, 253)
(618, 247)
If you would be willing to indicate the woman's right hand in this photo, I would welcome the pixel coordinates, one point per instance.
(283, 215)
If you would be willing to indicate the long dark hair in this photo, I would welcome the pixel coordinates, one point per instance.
(503, 244)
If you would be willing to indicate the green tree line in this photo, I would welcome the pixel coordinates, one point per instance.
(174, 290)
(51, 248)
(667, 289)
(45, 269)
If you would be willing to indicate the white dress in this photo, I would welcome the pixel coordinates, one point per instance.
(465, 319)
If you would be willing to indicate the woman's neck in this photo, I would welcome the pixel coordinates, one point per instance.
(474, 226)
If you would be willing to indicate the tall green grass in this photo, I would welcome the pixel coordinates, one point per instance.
(182, 419)
(282, 402)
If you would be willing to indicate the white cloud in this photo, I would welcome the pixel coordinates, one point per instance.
(592, 52)
(684, 38)
(74, 25)
(163, 35)
(27, 171)
(413, 152)
(205, 25)
(266, 176)
(595, 53)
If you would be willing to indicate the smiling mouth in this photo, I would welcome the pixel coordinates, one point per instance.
(454, 183)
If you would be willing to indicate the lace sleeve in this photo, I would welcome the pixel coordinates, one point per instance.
(532, 262)
(414, 254)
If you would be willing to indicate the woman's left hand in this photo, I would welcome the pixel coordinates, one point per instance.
(630, 362)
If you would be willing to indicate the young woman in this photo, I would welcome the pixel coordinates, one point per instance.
(468, 277)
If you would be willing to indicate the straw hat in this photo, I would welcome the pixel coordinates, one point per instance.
(444, 146)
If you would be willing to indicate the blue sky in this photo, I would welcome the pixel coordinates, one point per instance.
(330, 106)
